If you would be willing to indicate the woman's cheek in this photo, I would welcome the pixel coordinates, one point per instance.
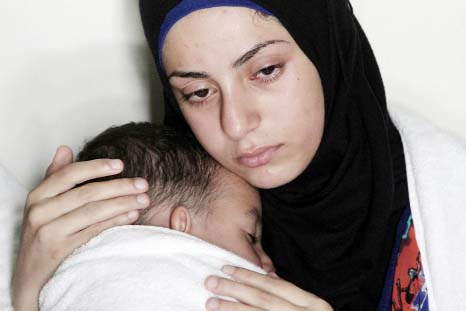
(208, 132)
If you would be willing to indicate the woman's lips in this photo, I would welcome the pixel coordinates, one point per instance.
(258, 157)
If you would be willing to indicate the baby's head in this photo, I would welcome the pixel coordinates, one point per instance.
(189, 191)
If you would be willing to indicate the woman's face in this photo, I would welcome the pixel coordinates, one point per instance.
(250, 95)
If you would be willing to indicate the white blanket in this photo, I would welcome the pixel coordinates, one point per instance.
(436, 169)
(138, 268)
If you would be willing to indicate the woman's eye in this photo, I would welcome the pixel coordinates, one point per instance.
(198, 96)
(268, 73)
(201, 93)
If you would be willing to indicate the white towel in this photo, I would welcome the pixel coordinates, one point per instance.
(138, 268)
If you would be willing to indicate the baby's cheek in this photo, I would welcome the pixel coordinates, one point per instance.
(244, 249)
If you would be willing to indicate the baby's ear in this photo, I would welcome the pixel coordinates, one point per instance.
(180, 219)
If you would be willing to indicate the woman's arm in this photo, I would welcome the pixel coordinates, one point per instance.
(258, 292)
(59, 218)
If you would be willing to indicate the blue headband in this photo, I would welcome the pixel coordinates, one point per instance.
(186, 7)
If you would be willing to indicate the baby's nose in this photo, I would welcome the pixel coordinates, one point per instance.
(268, 266)
(266, 262)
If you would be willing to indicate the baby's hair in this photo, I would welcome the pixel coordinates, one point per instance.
(175, 165)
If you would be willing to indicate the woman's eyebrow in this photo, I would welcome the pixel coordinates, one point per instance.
(188, 74)
(240, 61)
(252, 52)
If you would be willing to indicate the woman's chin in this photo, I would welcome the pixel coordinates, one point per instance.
(270, 177)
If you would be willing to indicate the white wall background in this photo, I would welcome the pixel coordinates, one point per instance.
(421, 48)
(69, 69)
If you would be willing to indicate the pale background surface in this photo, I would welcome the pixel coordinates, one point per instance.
(70, 69)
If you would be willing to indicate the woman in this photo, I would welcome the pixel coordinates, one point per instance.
(288, 95)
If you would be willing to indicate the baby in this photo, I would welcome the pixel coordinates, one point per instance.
(190, 194)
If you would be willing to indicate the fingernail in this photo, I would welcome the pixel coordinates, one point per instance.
(57, 153)
(142, 199)
(140, 184)
(212, 282)
(212, 304)
(228, 270)
(133, 214)
(116, 165)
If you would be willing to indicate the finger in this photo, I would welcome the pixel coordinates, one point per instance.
(73, 174)
(96, 212)
(92, 192)
(63, 156)
(273, 285)
(216, 304)
(247, 294)
(273, 274)
(85, 235)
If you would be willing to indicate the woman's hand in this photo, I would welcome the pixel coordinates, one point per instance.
(258, 292)
(59, 218)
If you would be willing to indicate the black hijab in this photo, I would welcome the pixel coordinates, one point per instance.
(331, 230)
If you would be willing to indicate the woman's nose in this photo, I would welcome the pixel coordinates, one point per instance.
(239, 115)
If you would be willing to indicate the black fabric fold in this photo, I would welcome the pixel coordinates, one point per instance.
(331, 230)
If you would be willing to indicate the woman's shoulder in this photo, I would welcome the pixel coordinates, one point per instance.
(436, 172)
(430, 149)
(434, 157)
(416, 129)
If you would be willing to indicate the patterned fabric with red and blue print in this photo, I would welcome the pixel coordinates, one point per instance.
(405, 288)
